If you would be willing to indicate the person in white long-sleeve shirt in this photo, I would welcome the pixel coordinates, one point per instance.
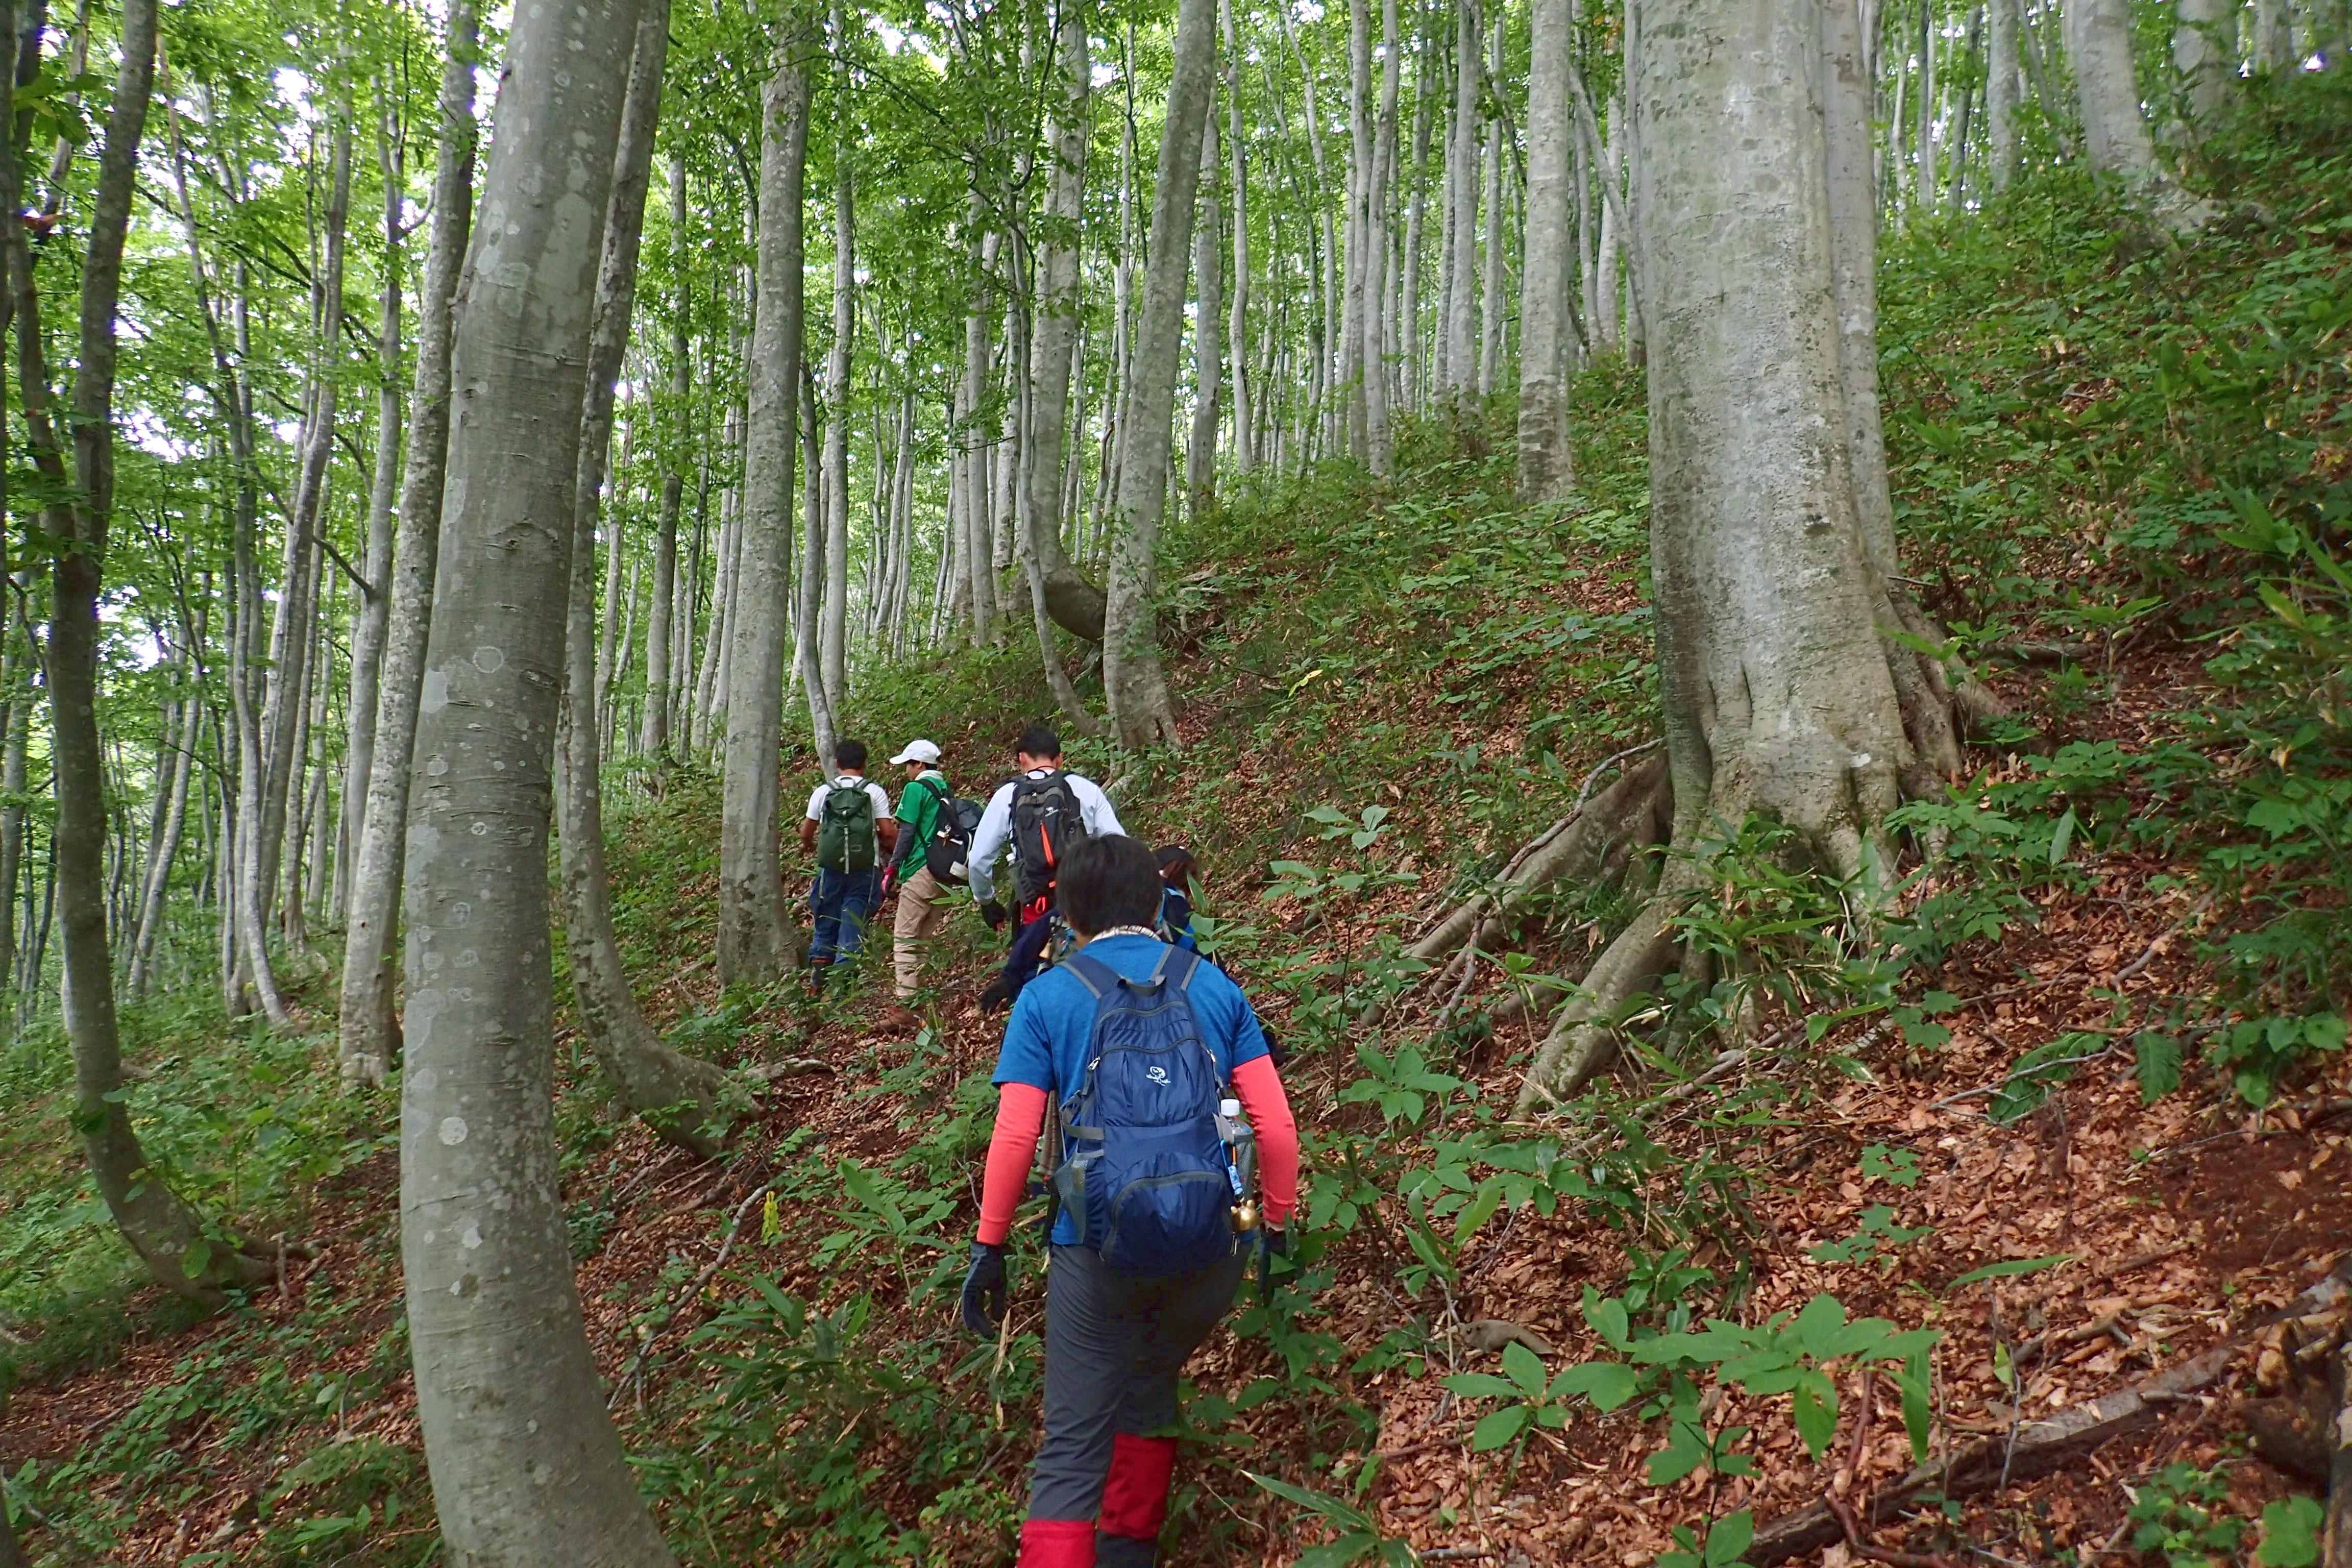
(1036, 815)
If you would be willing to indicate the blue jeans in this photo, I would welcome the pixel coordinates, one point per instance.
(839, 903)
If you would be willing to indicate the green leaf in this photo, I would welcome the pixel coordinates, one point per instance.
(2290, 1533)
(2157, 1064)
(1819, 1324)
(1917, 1382)
(1606, 1383)
(1729, 1540)
(1815, 1406)
(1676, 1459)
(196, 1259)
(1330, 1508)
(1481, 1385)
(1525, 1368)
(1477, 1211)
(2013, 1266)
(1497, 1427)
(1607, 1316)
(1349, 1548)
(2062, 836)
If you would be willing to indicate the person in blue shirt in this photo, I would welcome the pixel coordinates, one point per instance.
(1114, 1342)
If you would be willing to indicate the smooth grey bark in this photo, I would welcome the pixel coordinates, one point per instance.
(1492, 325)
(2205, 57)
(833, 628)
(160, 1228)
(754, 935)
(979, 548)
(1143, 713)
(165, 843)
(1459, 358)
(1052, 350)
(2273, 36)
(290, 671)
(1619, 239)
(1379, 330)
(1777, 698)
(1922, 691)
(368, 1027)
(653, 737)
(525, 1466)
(812, 561)
(676, 1095)
(2115, 132)
(2000, 90)
(1237, 328)
(1208, 312)
(1355, 412)
(1546, 463)
(373, 618)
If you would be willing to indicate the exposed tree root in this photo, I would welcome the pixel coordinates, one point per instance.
(1599, 832)
(2034, 1448)
(1584, 1035)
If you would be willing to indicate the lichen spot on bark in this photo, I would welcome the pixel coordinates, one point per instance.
(489, 660)
(452, 1130)
(434, 697)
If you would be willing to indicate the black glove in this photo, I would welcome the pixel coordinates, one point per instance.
(983, 1291)
(993, 913)
(1272, 1243)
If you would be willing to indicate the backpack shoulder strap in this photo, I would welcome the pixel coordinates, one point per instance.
(1177, 967)
(1098, 977)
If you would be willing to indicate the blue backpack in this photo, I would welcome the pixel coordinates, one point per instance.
(1147, 1146)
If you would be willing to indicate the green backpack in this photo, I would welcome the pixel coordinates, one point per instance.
(845, 828)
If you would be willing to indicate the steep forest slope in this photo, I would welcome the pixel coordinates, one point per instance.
(1836, 1212)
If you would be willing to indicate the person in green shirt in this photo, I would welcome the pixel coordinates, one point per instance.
(922, 898)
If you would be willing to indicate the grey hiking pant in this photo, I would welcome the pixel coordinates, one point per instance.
(1113, 1348)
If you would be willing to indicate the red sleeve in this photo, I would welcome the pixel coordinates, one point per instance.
(1020, 1116)
(1260, 1089)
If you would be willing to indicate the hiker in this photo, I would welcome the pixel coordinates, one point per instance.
(1154, 1225)
(1041, 813)
(922, 897)
(1177, 872)
(850, 830)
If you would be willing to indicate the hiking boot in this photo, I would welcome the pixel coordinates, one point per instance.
(1120, 1552)
(902, 1017)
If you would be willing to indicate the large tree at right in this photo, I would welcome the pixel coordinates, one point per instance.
(1789, 688)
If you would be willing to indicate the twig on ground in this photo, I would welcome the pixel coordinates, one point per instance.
(727, 1245)
(1584, 795)
(1861, 1548)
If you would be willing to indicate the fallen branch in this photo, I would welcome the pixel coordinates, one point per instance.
(2039, 1446)
(727, 1244)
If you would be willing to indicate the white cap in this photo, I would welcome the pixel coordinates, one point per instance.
(917, 752)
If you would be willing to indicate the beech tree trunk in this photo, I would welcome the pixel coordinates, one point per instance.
(525, 1466)
(158, 1225)
(370, 1031)
(755, 933)
(2205, 56)
(676, 1095)
(1208, 310)
(2000, 90)
(1143, 713)
(1460, 355)
(2114, 133)
(660, 630)
(291, 672)
(833, 627)
(1379, 330)
(374, 616)
(1238, 326)
(1052, 351)
(1778, 699)
(1546, 464)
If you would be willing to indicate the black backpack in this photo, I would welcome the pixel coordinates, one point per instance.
(947, 853)
(1046, 822)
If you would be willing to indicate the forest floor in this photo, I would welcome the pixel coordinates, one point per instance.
(2088, 1123)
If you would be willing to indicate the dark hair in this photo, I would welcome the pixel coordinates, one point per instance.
(849, 755)
(1108, 881)
(1177, 867)
(1037, 741)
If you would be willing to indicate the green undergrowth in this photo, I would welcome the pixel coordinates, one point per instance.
(2123, 474)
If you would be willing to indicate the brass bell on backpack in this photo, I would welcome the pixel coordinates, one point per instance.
(1244, 1216)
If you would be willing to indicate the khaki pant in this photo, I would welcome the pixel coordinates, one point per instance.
(922, 909)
